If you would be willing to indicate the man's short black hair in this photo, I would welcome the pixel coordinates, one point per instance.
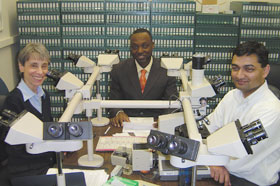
(253, 47)
(141, 30)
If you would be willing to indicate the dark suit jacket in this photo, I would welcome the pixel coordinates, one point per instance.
(125, 86)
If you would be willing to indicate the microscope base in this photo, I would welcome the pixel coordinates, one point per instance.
(97, 161)
(72, 179)
(99, 122)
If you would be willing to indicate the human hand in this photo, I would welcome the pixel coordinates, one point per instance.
(68, 154)
(220, 174)
(155, 124)
(118, 120)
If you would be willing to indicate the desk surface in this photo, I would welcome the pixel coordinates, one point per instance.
(72, 159)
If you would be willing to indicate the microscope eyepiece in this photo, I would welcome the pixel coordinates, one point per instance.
(177, 146)
(55, 130)
(75, 129)
(74, 57)
(157, 141)
(9, 114)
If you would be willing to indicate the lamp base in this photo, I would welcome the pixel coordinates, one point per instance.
(100, 122)
(97, 161)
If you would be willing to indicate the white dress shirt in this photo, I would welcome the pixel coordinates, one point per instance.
(263, 165)
(28, 94)
(147, 68)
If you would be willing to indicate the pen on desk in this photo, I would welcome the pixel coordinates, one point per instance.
(107, 130)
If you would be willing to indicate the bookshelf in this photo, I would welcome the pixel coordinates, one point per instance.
(89, 27)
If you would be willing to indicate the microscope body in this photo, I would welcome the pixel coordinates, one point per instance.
(214, 150)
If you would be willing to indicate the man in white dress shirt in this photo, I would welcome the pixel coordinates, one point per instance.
(249, 101)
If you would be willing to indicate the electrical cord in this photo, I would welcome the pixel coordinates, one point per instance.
(176, 99)
(152, 176)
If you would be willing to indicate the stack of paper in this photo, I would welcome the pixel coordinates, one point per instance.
(139, 123)
(111, 143)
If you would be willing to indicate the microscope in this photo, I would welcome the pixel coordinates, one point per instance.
(39, 137)
(187, 146)
(105, 62)
(83, 92)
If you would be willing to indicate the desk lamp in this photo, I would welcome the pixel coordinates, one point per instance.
(105, 62)
(76, 106)
(219, 147)
(195, 87)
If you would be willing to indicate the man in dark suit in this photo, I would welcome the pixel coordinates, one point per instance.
(140, 78)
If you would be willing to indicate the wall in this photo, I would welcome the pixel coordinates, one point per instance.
(225, 4)
(8, 46)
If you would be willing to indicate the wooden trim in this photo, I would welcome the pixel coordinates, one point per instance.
(8, 41)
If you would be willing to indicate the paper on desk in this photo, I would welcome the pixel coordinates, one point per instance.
(137, 133)
(92, 177)
(139, 123)
(111, 143)
(141, 119)
(144, 183)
